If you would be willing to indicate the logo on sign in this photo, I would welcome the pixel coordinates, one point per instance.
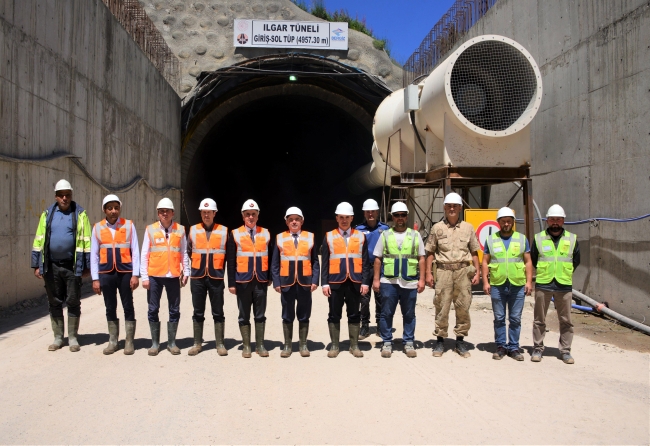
(337, 31)
(338, 36)
(242, 38)
(242, 25)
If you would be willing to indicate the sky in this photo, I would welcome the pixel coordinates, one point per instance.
(403, 22)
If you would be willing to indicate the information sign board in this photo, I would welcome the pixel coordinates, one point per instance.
(288, 34)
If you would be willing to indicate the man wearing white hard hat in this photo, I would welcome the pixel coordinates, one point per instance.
(164, 264)
(61, 257)
(506, 257)
(556, 255)
(452, 244)
(372, 228)
(206, 247)
(295, 272)
(398, 274)
(248, 276)
(346, 274)
(115, 266)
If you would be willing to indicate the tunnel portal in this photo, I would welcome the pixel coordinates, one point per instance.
(259, 134)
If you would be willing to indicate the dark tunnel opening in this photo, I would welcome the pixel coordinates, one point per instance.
(285, 150)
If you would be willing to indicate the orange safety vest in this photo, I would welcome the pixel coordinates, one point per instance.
(114, 251)
(165, 257)
(295, 263)
(208, 256)
(341, 255)
(252, 259)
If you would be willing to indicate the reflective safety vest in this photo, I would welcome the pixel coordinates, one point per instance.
(165, 257)
(402, 262)
(208, 256)
(555, 263)
(114, 251)
(252, 258)
(345, 261)
(507, 265)
(295, 263)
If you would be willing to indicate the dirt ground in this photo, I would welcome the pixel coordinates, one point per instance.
(86, 397)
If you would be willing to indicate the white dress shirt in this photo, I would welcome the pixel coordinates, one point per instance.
(144, 258)
(94, 251)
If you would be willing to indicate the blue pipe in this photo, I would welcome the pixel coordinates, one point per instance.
(578, 307)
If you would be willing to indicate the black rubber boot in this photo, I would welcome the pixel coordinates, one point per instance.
(365, 330)
(259, 339)
(57, 329)
(129, 327)
(353, 330)
(246, 340)
(172, 328)
(155, 338)
(73, 329)
(303, 331)
(335, 334)
(198, 338)
(113, 337)
(287, 328)
(218, 337)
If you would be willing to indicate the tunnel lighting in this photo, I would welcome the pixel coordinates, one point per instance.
(293, 78)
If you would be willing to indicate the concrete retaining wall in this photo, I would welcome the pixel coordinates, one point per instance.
(72, 81)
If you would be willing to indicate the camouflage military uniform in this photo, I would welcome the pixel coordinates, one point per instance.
(452, 247)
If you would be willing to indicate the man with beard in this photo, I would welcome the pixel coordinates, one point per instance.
(556, 255)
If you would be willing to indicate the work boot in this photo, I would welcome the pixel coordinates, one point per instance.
(409, 349)
(567, 358)
(129, 327)
(439, 348)
(172, 328)
(461, 349)
(57, 329)
(245, 331)
(259, 339)
(218, 338)
(303, 330)
(365, 330)
(198, 338)
(335, 333)
(386, 350)
(500, 353)
(287, 328)
(516, 355)
(536, 356)
(155, 338)
(73, 328)
(113, 337)
(353, 329)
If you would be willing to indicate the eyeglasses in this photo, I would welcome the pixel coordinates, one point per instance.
(400, 215)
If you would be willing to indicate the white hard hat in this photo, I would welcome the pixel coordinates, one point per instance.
(293, 211)
(453, 198)
(250, 205)
(208, 204)
(556, 211)
(165, 203)
(370, 205)
(62, 185)
(344, 208)
(109, 198)
(399, 207)
(505, 212)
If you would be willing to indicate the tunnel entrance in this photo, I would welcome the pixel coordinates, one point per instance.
(279, 141)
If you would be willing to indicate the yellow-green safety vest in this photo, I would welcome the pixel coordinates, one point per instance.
(507, 264)
(555, 263)
(400, 262)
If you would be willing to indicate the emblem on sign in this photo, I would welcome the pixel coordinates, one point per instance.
(242, 38)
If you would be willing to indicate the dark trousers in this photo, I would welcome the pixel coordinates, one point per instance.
(289, 296)
(111, 283)
(154, 294)
(61, 285)
(365, 307)
(207, 286)
(251, 293)
(346, 293)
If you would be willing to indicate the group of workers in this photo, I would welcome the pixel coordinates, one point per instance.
(394, 262)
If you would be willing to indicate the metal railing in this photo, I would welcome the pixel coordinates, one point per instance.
(451, 28)
(135, 21)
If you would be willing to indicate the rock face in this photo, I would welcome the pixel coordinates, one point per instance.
(200, 33)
